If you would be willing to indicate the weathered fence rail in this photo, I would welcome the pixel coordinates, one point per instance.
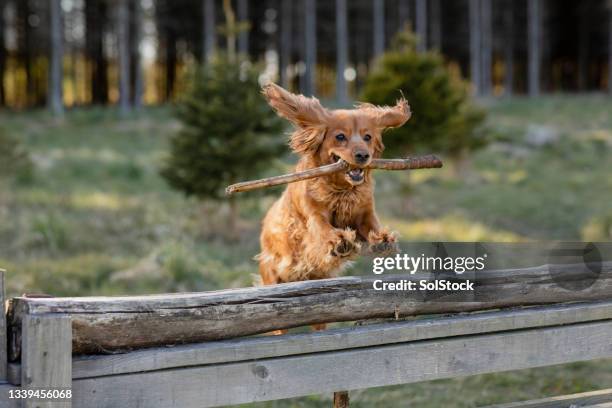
(49, 339)
(102, 324)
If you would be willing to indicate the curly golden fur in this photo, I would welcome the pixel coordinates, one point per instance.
(317, 226)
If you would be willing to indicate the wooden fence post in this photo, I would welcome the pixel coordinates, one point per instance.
(46, 359)
(341, 399)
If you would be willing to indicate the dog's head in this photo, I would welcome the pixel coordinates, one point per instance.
(353, 135)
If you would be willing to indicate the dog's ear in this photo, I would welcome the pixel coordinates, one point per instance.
(388, 116)
(307, 114)
(301, 111)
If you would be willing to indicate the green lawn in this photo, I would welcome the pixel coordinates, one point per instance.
(98, 219)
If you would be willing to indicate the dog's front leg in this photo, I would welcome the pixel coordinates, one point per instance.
(329, 240)
(325, 243)
(381, 240)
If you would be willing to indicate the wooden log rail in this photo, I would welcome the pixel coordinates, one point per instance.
(263, 368)
(106, 324)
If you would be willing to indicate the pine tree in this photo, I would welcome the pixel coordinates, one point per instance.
(443, 119)
(228, 132)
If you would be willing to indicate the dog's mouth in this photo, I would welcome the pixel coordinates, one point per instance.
(355, 175)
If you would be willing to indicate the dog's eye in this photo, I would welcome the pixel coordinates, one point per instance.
(340, 137)
(367, 138)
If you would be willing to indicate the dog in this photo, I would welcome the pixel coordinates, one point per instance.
(319, 225)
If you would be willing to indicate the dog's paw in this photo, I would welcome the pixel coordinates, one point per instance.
(383, 242)
(344, 243)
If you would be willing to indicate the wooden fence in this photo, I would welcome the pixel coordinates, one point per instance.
(192, 350)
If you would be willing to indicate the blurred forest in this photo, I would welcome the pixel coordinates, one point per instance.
(88, 113)
(132, 52)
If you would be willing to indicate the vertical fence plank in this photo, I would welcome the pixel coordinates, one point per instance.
(46, 359)
(3, 330)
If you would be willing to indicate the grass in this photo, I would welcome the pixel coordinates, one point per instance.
(97, 218)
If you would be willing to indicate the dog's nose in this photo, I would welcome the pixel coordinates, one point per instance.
(362, 157)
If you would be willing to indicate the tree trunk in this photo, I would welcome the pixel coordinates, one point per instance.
(341, 51)
(95, 16)
(24, 49)
(610, 48)
(171, 60)
(136, 60)
(285, 42)
(421, 24)
(243, 16)
(123, 46)
(403, 11)
(534, 46)
(378, 13)
(210, 33)
(310, 36)
(230, 25)
(436, 24)
(486, 46)
(583, 46)
(2, 54)
(509, 47)
(55, 101)
(475, 42)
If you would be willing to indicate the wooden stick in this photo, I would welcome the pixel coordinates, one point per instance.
(412, 163)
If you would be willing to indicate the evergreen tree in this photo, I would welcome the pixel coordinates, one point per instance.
(443, 119)
(228, 132)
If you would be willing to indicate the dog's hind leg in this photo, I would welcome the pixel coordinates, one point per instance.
(318, 326)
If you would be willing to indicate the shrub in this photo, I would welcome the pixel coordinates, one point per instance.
(228, 132)
(443, 120)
